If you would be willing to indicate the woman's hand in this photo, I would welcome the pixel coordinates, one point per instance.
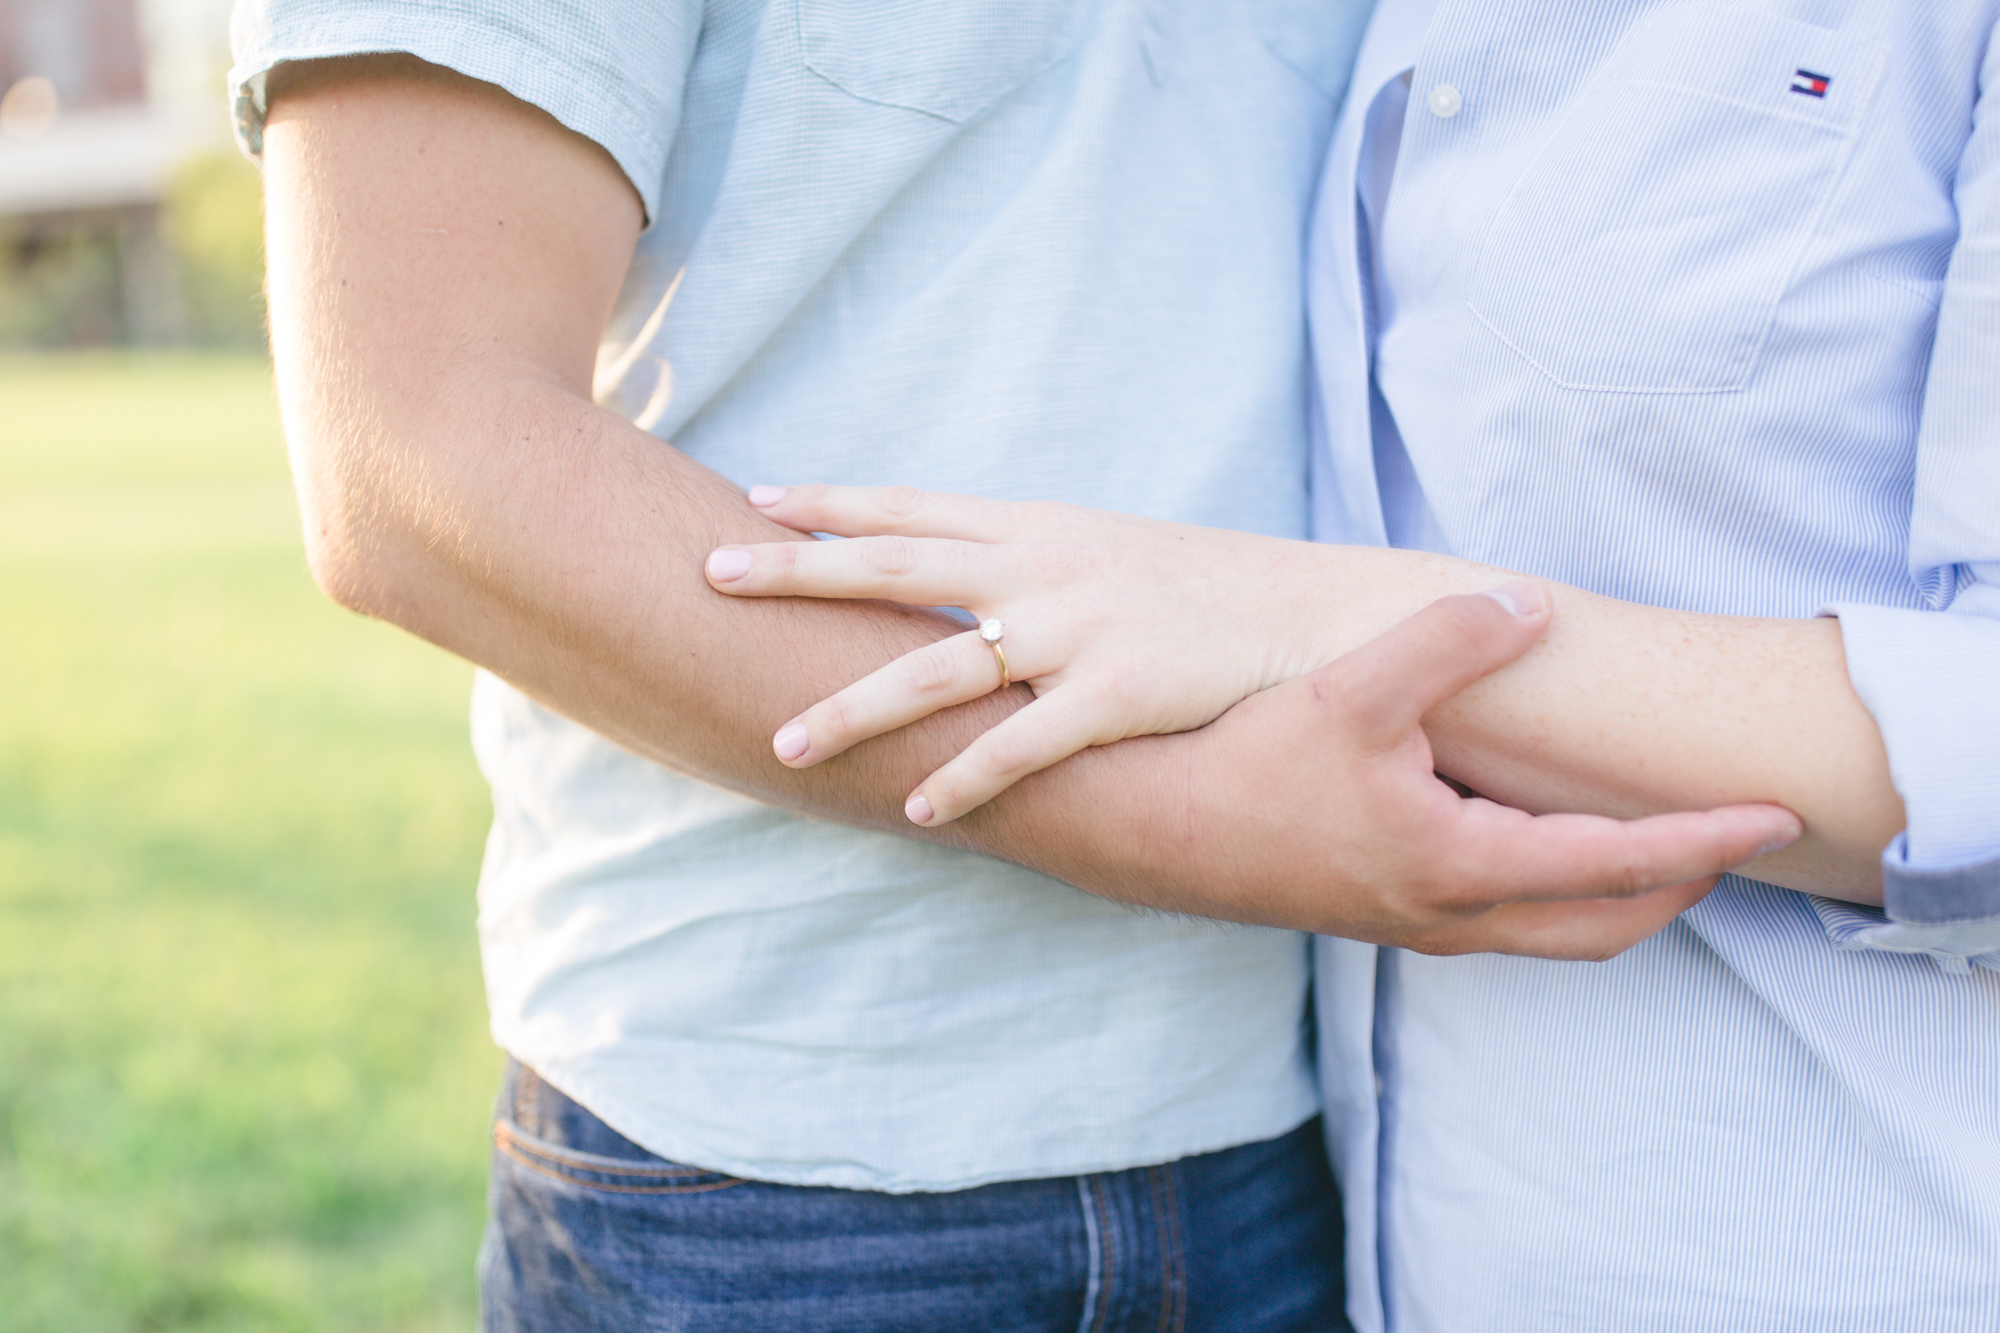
(1122, 626)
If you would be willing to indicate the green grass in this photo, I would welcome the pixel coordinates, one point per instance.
(244, 1071)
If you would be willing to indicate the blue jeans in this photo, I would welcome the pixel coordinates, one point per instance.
(589, 1231)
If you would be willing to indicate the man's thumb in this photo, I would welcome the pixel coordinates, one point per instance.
(1389, 683)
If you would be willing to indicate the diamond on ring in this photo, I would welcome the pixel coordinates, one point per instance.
(990, 631)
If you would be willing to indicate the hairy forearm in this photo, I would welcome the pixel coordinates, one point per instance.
(566, 560)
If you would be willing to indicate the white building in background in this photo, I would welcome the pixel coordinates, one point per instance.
(102, 101)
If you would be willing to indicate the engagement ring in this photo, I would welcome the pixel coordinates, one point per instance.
(991, 630)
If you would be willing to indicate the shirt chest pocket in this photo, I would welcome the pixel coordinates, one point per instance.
(1648, 245)
(948, 59)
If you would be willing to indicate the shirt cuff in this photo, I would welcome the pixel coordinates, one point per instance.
(1953, 946)
(1931, 680)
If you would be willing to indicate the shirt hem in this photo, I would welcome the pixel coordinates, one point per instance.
(1205, 1136)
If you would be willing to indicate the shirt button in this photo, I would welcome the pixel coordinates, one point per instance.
(1445, 101)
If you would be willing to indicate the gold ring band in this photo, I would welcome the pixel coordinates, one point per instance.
(991, 631)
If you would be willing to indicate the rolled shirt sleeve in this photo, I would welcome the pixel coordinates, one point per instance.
(613, 72)
(1931, 677)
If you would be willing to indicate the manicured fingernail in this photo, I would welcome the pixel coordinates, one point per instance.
(766, 496)
(791, 741)
(727, 566)
(1521, 597)
(917, 810)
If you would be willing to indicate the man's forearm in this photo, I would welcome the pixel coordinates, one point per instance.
(442, 259)
(568, 564)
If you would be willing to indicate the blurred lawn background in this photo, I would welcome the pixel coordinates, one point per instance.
(244, 1071)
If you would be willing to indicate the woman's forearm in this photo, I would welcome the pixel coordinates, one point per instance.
(1625, 710)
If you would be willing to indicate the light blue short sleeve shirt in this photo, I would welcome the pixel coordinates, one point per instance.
(1026, 248)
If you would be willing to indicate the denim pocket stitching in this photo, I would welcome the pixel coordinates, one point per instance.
(1105, 1250)
(558, 1164)
(1177, 1274)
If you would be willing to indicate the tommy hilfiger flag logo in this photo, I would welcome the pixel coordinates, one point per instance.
(1809, 83)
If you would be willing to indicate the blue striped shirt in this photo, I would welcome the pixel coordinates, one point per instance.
(1696, 305)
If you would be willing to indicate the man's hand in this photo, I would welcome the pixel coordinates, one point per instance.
(1314, 804)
